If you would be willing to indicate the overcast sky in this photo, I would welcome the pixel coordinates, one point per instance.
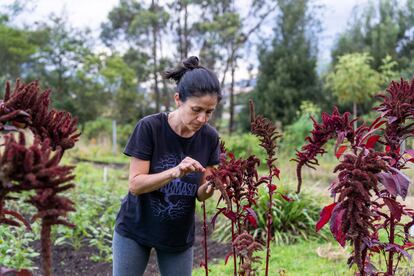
(90, 13)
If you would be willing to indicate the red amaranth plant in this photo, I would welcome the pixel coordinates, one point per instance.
(268, 134)
(238, 181)
(36, 167)
(369, 180)
(32, 109)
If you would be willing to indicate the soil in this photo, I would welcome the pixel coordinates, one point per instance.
(67, 261)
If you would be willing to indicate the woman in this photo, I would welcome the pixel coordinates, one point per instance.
(171, 155)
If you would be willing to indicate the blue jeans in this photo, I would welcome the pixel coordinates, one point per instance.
(131, 259)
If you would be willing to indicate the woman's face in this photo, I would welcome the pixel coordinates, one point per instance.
(196, 111)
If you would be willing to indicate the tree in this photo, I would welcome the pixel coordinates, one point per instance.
(120, 83)
(224, 33)
(61, 54)
(139, 26)
(180, 22)
(287, 72)
(382, 28)
(15, 49)
(353, 80)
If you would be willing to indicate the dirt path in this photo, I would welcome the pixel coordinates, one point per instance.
(68, 262)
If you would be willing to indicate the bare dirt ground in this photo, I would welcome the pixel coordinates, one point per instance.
(68, 262)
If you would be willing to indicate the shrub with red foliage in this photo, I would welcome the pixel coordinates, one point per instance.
(36, 167)
(369, 181)
(238, 181)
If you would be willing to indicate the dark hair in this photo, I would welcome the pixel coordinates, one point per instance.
(194, 80)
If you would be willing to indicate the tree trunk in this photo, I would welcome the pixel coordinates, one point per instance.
(179, 30)
(185, 32)
(155, 61)
(231, 122)
(354, 105)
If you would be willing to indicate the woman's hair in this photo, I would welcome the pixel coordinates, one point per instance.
(194, 80)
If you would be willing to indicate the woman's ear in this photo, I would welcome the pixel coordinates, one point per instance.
(177, 99)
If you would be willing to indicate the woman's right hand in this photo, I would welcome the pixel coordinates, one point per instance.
(187, 166)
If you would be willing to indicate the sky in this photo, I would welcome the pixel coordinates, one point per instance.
(91, 13)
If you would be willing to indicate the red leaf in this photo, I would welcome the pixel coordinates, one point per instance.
(251, 216)
(395, 182)
(252, 220)
(394, 206)
(276, 172)
(377, 123)
(227, 257)
(213, 219)
(272, 187)
(372, 141)
(325, 215)
(288, 199)
(231, 155)
(408, 245)
(388, 148)
(230, 215)
(397, 248)
(340, 151)
(336, 225)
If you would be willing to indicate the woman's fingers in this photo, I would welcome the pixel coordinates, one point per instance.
(193, 165)
(188, 165)
(209, 188)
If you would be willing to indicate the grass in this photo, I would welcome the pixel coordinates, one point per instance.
(298, 259)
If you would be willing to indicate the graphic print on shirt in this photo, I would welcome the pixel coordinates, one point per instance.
(172, 205)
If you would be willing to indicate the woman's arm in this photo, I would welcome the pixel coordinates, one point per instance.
(140, 181)
(205, 190)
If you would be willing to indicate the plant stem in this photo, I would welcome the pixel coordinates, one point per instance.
(239, 228)
(233, 247)
(46, 248)
(203, 205)
(269, 224)
(391, 240)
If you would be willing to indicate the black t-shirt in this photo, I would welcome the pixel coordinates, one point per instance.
(164, 218)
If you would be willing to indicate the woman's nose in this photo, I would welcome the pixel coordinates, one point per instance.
(202, 118)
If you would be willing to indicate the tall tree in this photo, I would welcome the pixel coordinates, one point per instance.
(353, 80)
(180, 21)
(287, 72)
(57, 60)
(63, 64)
(224, 32)
(15, 49)
(381, 28)
(140, 26)
(16, 43)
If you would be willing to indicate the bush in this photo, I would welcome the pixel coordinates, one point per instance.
(102, 127)
(15, 247)
(244, 145)
(95, 128)
(294, 134)
(123, 133)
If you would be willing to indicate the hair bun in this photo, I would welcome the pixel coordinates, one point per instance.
(191, 62)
